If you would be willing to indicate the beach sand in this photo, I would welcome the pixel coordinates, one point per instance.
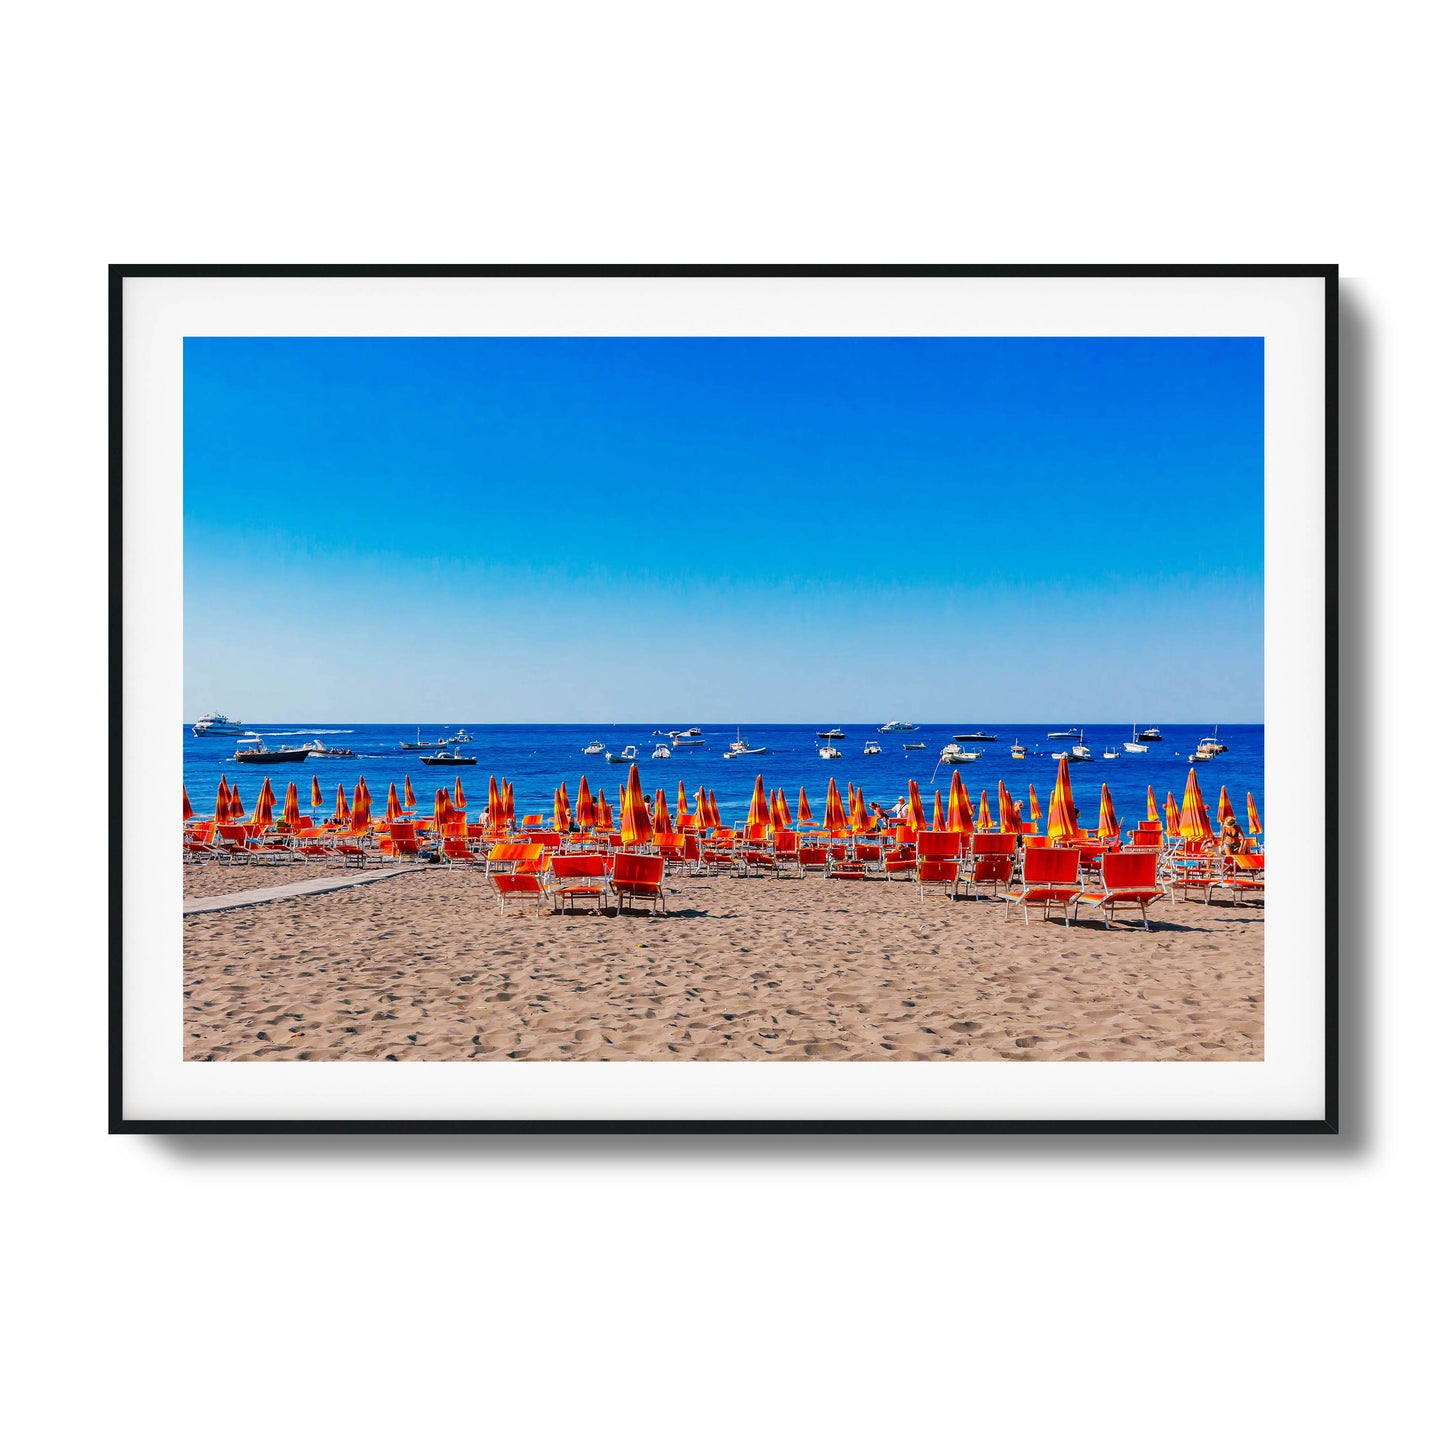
(422, 967)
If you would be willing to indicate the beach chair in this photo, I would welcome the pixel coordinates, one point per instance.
(670, 849)
(785, 853)
(529, 883)
(1050, 876)
(507, 858)
(198, 844)
(399, 842)
(531, 820)
(456, 849)
(757, 854)
(578, 875)
(1195, 864)
(812, 858)
(939, 861)
(638, 875)
(1130, 879)
(901, 862)
(1241, 875)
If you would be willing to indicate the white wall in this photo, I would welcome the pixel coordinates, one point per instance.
(1031, 1288)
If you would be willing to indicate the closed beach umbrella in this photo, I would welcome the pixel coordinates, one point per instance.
(714, 815)
(260, 808)
(223, 800)
(563, 814)
(1171, 815)
(441, 809)
(758, 807)
(494, 802)
(833, 816)
(1036, 811)
(785, 818)
(1151, 814)
(317, 801)
(1193, 820)
(683, 816)
(859, 820)
(408, 795)
(985, 818)
(1005, 811)
(365, 793)
(636, 825)
(393, 804)
(509, 805)
(586, 808)
(805, 813)
(1063, 816)
(699, 807)
(186, 810)
(940, 818)
(1225, 809)
(342, 813)
(661, 818)
(360, 809)
(1108, 823)
(915, 816)
(291, 809)
(960, 811)
(458, 796)
(1253, 814)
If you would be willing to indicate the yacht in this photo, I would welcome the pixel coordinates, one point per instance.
(1064, 735)
(975, 737)
(627, 755)
(1151, 735)
(592, 747)
(953, 754)
(460, 736)
(662, 751)
(740, 749)
(829, 752)
(253, 750)
(220, 725)
(1134, 745)
(1208, 748)
(833, 733)
(448, 758)
(871, 748)
(317, 749)
(898, 727)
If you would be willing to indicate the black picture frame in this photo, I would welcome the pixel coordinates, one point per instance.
(120, 1123)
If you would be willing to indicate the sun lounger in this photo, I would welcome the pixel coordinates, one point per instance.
(1050, 876)
(578, 875)
(1130, 879)
(638, 875)
(1241, 875)
(938, 862)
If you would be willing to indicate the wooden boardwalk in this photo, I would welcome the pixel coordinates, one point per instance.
(253, 896)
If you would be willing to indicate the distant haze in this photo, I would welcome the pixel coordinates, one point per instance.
(791, 530)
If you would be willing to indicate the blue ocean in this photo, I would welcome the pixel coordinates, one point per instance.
(538, 756)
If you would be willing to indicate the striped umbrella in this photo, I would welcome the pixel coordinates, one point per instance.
(684, 818)
(1252, 813)
(661, 818)
(636, 824)
(1193, 820)
(1063, 815)
(509, 805)
(834, 819)
(562, 809)
(343, 812)
(940, 818)
(1171, 815)
(1151, 814)
(317, 801)
(758, 807)
(985, 818)
(365, 793)
(785, 818)
(960, 810)
(805, 813)
(714, 816)
(408, 796)
(360, 809)
(291, 809)
(1108, 823)
(186, 811)
(458, 796)
(441, 809)
(914, 817)
(223, 800)
(699, 808)
(586, 808)
(494, 802)
(858, 820)
(393, 804)
(261, 813)
(1224, 811)
(1036, 811)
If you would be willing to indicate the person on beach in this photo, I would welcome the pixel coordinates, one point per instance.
(1232, 837)
(900, 809)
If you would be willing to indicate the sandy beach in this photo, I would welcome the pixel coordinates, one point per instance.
(422, 967)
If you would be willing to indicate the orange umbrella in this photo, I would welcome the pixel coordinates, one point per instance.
(238, 808)
(785, 818)
(458, 797)
(494, 803)
(509, 805)
(661, 819)
(223, 800)
(393, 804)
(1193, 820)
(291, 811)
(365, 791)
(1151, 814)
(636, 825)
(317, 801)
(914, 817)
(360, 809)
(1255, 826)
(1171, 815)
(1224, 810)
(185, 804)
(699, 808)
(261, 813)
(683, 816)
(833, 817)
(562, 814)
(442, 809)
(342, 813)
(1063, 815)
(805, 813)
(1035, 810)
(604, 813)
(758, 808)
(408, 796)
(940, 818)
(960, 811)
(858, 819)
(985, 818)
(1108, 823)
(586, 809)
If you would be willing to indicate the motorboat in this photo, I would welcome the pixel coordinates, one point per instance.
(1109, 754)
(897, 727)
(253, 750)
(627, 755)
(975, 737)
(1150, 735)
(740, 749)
(1208, 748)
(1065, 735)
(448, 758)
(829, 752)
(871, 749)
(1018, 751)
(1080, 753)
(953, 755)
(420, 747)
(317, 749)
(833, 733)
(592, 748)
(688, 733)
(914, 747)
(460, 736)
(219, 725)
(662, 751)
(692, 738)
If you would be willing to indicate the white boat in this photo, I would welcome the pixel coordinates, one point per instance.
(627, 755)
(219, 725)
(871, 748)
(1109, 754)
(829, 751)
(593, 747)
(740, 749)
(688, 733)
(1134, 745)
(692, 738)
(833, 733)
(318, 749)
(1208, 748)
(953, 754)
(1018, 751)
(460, 736)
(914, 747)
(662, 751)
(1066, 733)
(1080, 752)
(898, 727)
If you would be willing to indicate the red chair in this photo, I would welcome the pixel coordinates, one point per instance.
(579, 875)
(939, 861)
(812, 859)
(457, 850)
(530, 884)
(1241, 875)
(901, 862)
(504, 858)
(638, 875)
(1130, 879)
(785, 852)
(400, 842)
(1051, 875)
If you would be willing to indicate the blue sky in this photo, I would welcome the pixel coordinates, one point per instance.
(579, 529)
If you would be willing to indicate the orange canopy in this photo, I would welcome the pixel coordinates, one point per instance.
(1108, 823)
(1036, 811)
(393, 803)
(458, 796)
(186, 811)
(1193, 820)
(494, 802)
(636, 825)
(365, 791)
(261, 814)
(586, 809)
(408, 794)
(699, 808)
(940, 818)
(1151, 814)
(604, 810)
(661, 818)
(1063, 815)
(1255, 826)
(805, 813)
(914, 816)
(960, 810)
(758, 807)
(1171, 815)
(1224, 810)
(834, 819)
(985, 818)
(317, 801)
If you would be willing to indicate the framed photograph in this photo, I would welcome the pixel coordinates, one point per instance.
(723, 699)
